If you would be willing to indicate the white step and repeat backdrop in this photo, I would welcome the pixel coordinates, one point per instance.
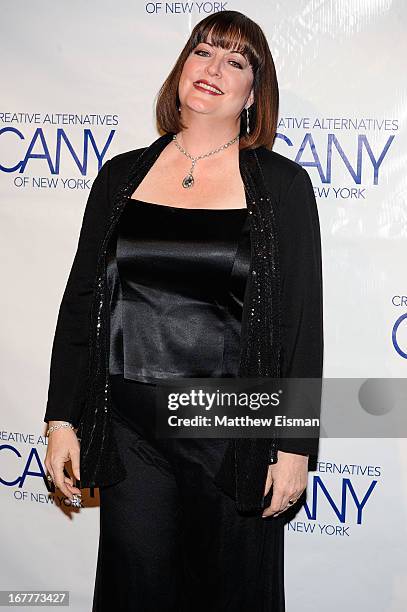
(79, 82)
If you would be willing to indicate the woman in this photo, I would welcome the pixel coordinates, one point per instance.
(206, 248)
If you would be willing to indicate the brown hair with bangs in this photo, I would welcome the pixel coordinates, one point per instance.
(229, 30)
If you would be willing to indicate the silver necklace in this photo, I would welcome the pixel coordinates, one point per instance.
(188, 180)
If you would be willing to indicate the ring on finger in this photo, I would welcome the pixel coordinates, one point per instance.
(290, 502)
(76, 500)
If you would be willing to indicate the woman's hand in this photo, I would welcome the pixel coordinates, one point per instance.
(63, 445)
(289, 477)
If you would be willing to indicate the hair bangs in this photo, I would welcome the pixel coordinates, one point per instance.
(228, 35)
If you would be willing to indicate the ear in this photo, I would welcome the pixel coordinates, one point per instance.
(250, 99)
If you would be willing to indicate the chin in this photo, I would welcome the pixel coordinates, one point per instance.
(196, 103)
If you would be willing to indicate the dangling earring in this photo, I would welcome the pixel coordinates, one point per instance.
(247, 121)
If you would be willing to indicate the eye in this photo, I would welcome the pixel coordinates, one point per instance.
(199, 51)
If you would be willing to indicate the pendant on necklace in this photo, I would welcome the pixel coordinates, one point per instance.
(188, 181)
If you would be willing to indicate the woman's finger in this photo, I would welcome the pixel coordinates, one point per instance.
(276, 503)
(73, 490)
(51, 473)
(269, 482)
(291, 498)
(59, 479)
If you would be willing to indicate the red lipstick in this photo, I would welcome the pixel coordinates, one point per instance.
(196, 84)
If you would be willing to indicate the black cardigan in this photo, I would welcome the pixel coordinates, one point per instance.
(284, 338)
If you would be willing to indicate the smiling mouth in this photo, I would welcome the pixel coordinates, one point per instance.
(208, 88)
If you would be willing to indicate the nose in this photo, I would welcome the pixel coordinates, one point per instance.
(213, 67)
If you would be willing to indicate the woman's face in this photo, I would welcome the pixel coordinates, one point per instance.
(229, 72)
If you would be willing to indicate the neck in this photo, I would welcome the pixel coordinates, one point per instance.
(205, 134)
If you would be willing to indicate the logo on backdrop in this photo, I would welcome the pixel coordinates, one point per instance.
(338, 498)
(399, 330)
(54, 150)
(184, 8)
(356, 149)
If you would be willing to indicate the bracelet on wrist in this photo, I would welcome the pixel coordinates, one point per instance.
(65, 424)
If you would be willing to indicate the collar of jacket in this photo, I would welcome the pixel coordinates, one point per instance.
(243, 472)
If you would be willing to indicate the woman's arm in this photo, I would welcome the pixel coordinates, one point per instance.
(302, 331)
(69, 358)
(301, 297)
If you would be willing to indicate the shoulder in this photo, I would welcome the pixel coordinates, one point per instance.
(118, 168)
(126, 157)
(280, 172)
(123, 161)
(279, 165)
(275, 161)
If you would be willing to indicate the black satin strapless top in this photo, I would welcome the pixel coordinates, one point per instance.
(177, 278)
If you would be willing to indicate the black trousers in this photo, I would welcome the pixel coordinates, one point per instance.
(170, 539)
